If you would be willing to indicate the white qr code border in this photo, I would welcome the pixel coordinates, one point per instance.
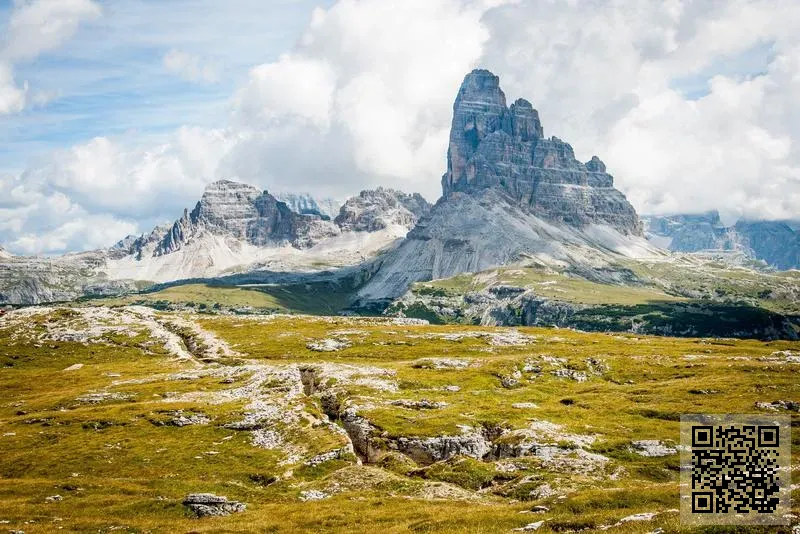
(700, 447)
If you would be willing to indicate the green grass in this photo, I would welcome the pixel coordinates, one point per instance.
(316, 298)
(117, 465)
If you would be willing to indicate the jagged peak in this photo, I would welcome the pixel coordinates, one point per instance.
(595, 165)
(494, 146)
(480, 87)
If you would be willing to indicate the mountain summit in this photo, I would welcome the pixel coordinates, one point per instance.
(510, 194)
(495, 146)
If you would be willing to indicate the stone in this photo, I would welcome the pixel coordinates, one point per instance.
(778, 405)
(377, 209)
(572, 374)
(530, 527)
(74, 367)
(313, 495)
(328, 345)
(423, 404)
(208, 504)
(54, 498)
(436, 449)
(441, 363)
(652, 448)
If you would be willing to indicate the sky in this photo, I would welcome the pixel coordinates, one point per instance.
(115, 114)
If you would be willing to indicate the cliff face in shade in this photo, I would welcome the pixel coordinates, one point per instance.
(495, 146)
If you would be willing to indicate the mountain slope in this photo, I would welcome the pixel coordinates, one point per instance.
(509, 193)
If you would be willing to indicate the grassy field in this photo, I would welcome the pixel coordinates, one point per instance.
(90, 398)
(316, 298)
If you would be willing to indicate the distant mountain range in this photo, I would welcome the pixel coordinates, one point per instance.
(777, 243)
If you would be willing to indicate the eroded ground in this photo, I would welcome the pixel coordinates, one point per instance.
(110, 417)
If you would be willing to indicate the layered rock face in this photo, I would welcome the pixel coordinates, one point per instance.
(495, 146)
(774, 242)
(509, 195)
(374, 210)
(244, 212)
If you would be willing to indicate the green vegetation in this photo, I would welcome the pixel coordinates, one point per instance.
(317, 298)
(122, 463)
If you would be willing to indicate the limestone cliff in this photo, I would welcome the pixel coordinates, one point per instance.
(495, 146)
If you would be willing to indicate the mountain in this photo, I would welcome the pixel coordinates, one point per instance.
(307, 204)
(377, 209)
(234, 228)
(495, 146)
(509, 194)
(4, 254)
(775, 242)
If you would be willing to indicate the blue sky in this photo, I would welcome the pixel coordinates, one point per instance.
(110, 79)
(115, 114)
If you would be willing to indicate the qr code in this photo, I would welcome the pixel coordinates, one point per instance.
(735, 469)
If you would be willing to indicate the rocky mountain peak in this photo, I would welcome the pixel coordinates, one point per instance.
(4, 254)
(376, 209)
(495, 146)
(243, 212)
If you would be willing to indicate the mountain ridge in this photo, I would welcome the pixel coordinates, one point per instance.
(776, 243)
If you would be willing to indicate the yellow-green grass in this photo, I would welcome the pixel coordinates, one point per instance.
(230, 296)
(115, 468)
(292, 298)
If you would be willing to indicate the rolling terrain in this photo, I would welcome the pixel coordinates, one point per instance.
(111, 416)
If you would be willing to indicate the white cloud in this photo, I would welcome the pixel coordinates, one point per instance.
(602, 77)
(12, 97)
(34, 27)
(37, 26)
(373, 79)
(365, 98)
(191, 67)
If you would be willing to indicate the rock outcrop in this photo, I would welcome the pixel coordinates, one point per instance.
(210, 505)
(492, 145)
(509, 194)
(245, 213)
(376, 209)
(775, 242)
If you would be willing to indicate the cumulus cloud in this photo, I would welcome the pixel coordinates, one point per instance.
(372, 83)
(12, 97)
(608, 80)
(94, 194)
(692, 105)
(35, 27)
(191, 67)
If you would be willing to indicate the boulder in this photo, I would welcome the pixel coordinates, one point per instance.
(208, 504)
